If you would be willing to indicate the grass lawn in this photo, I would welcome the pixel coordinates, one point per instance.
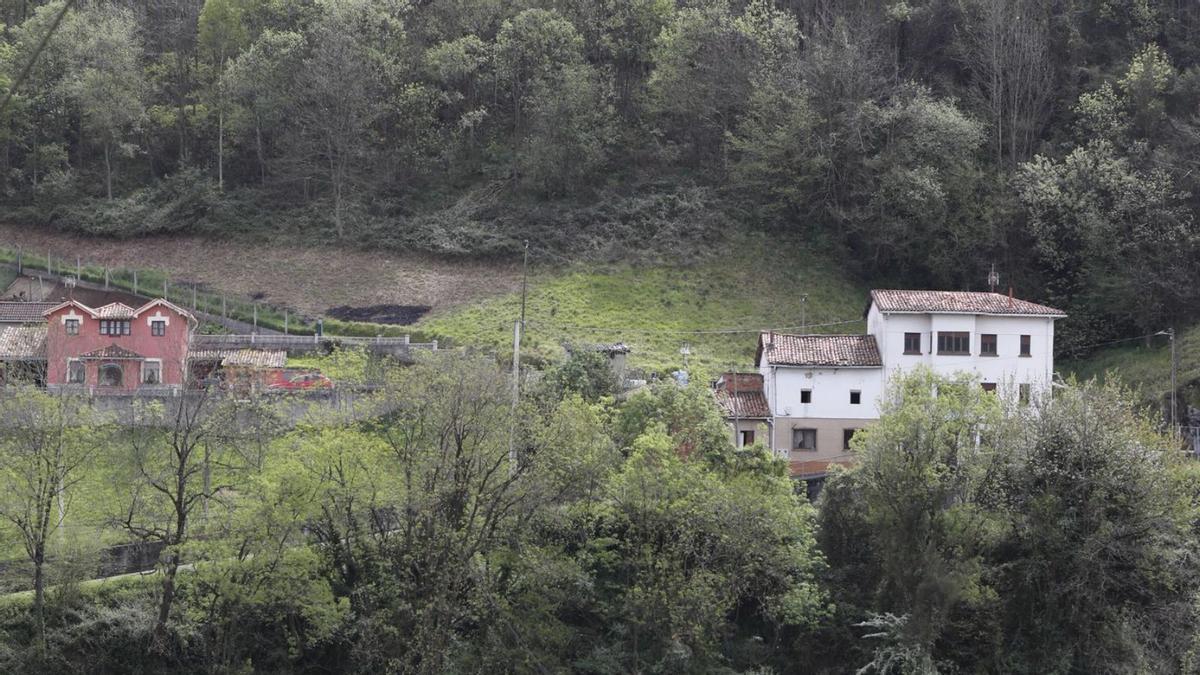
(655, 310)
(6, 277)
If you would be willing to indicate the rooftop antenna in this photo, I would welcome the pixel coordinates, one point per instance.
(993, 279)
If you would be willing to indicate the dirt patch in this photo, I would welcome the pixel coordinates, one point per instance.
(306, 279)
(399, 315)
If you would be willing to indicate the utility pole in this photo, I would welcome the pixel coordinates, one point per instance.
(518, 328)
(803, 313)
(1174, 375)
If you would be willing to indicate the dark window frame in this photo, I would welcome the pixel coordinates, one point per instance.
(954, 343)
(804, 434)
(158, 327)
(1026, 345)
(806, 395)
(71, 326)
(746, 436)
(989, 387)
(987, 340)
(116, 327)
(912, 343)
(847, 436)
(73, 366)
(855, 397)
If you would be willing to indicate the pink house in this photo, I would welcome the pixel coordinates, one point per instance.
(117, 347)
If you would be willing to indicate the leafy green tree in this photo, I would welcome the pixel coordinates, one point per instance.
(103, 78)
(46, 445)
(259, 79)
(1097, 570)
(222, 35)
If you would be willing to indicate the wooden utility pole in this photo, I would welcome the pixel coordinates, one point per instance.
(1174, 376)
(518, 328)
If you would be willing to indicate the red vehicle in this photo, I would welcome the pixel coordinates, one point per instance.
(289, 380)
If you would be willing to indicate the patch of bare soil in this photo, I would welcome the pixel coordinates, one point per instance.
(306, 279)
(400, 315)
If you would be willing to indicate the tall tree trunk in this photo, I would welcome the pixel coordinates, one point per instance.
(258, 150)
(107, 170)
(221, 147)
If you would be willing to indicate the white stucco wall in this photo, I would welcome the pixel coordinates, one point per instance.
(1007, 369)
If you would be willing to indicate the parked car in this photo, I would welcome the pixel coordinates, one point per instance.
(292, 381)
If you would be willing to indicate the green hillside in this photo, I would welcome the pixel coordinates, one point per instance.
(716, 307)
(1146, 368)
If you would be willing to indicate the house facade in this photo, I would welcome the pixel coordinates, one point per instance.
(116, 347)
(821, 389)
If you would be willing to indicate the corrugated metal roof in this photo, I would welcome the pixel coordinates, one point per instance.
(23, 312)
(958, 302)
(23, 343)
(782, 349)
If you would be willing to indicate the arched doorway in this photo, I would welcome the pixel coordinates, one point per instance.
(111, 375)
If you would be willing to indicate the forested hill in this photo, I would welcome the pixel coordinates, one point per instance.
(918, 142)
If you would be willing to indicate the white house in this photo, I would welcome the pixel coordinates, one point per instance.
(822, 388)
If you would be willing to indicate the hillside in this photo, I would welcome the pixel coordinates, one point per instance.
(1147, 369)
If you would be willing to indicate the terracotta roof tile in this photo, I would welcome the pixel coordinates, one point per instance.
(256, 358)
(112, 351)
(745, 404)
(24, 343)
(958, 302)
(115, 310)
(23, 312)
(782, 349)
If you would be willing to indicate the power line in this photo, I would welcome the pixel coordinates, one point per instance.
(702, 331)
(36, 53)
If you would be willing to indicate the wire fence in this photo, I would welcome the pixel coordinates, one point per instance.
(158, 284)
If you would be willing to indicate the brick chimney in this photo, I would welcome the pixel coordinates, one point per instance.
(740, 382)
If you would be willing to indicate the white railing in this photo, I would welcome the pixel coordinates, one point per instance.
(304, 342)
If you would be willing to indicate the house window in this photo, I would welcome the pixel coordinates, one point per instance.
(987, 344)
(855, 397)
(954, 343)
(1023, 394)
(989, 386)
(912, 343)
(847, 436)
(804, 439)
(158, 328)
(111, 375)
(747, 437)
(1025, 346)
(152, 372)
(72, 326)
(114, 327)
(75, 372)
(806, 395)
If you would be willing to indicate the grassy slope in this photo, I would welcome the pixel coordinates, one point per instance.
(1147, 369)
(746, 290)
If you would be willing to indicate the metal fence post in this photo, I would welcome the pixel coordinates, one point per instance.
(165, 288)
(135, 290)
(19, 270)
(285, 321)
(106, 278)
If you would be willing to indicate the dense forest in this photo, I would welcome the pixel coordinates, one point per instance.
(440, 529)
(919, 142)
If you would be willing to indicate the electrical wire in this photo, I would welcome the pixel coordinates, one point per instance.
(36, 53)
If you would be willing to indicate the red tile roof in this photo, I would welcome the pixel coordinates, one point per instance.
(814, 468)
(841, 351)
(23, 312)
(112, 351)
(958, 302)
(23, 343)
(744, 405)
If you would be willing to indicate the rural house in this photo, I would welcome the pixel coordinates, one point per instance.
(117, 347)
(820, 389)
